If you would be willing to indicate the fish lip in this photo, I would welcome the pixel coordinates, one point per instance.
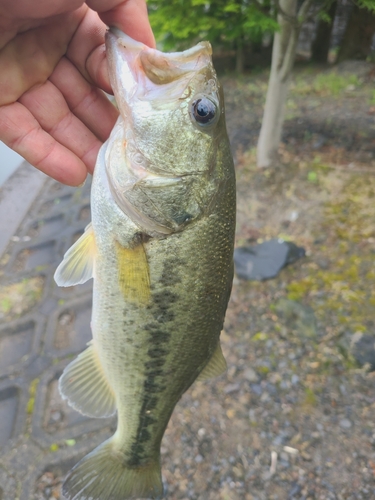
(116, 36)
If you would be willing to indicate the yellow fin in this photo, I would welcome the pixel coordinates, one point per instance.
(134, 277)
(85, 386)
(78, 263)
(216, 366)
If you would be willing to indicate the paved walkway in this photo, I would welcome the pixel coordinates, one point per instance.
(42, 328)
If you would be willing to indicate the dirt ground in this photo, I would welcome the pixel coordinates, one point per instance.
(294, 417)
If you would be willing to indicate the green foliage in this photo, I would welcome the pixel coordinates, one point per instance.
(178, 24)
(334, 84)
(327, 84)
(367, 4)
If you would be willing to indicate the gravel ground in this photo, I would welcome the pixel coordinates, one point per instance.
(294, 416)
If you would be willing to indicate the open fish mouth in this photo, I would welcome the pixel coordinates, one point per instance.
(138, 71)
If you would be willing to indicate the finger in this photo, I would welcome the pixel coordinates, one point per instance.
(128, 15)
(30, 57)
(85, 101)
(48, 106)
(86, 49)
(21, 132)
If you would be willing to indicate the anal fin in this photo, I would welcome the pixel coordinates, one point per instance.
(84, 385)
(216, 366)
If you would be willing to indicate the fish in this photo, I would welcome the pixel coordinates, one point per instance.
(160, 251)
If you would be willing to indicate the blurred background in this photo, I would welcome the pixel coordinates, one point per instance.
(10, 161)
(293, 418)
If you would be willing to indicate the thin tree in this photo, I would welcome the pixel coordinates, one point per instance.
(290, 20)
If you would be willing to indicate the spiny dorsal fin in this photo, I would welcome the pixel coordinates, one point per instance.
(78, 262)
(216, 366)
(134, 277)
(85, 386)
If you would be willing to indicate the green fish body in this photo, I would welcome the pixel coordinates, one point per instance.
(160, 249)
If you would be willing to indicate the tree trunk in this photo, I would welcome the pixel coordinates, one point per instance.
(356, 43)
(321, 44)
(239, 56)
(283, 54)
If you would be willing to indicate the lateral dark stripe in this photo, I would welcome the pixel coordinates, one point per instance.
(161, 306)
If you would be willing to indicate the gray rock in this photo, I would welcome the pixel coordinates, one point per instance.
(264, 261)
(362, 348)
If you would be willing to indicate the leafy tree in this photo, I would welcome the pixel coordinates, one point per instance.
(178, 24)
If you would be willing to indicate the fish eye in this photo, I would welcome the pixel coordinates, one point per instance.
(203, 111)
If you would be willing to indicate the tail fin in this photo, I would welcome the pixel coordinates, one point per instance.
(102, 475)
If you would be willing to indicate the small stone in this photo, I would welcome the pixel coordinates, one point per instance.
(257, 389)
(295, 379)
(198, 459)
(345, 423)
(228, 389)
(306, 456)
(250, 375)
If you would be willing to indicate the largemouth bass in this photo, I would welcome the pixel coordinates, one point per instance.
(160, 250)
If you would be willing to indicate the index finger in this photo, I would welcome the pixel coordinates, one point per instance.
(130, 16)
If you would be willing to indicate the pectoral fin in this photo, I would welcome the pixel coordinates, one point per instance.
(84, 385)
(78, 263)
(133, 278)
(216, 366)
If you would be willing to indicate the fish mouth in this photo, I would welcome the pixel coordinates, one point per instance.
(138, 71)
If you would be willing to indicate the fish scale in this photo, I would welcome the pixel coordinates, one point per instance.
(162, 278)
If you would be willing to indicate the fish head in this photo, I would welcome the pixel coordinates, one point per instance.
(162, 156)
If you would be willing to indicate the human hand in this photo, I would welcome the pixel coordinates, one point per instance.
(52, 67)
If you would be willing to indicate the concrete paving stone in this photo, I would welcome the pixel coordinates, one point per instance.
(54, 467)
(38, 428)
(19, 344)
(23, 457)
(14, 395)
(48, 305)
(53, 420)
(8, 486)
(34, 256)
(37, 366)
(46, 228)
(68, 329)
(16, 196)
(55, 205)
